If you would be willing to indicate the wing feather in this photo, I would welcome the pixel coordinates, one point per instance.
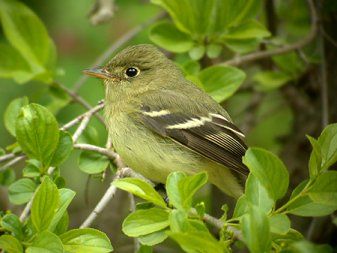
(212, 135)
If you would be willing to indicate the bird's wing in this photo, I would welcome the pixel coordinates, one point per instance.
(208, 133)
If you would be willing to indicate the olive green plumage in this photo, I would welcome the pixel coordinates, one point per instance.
(160, 122)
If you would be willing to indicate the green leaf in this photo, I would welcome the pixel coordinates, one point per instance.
(305, 206)
(66, 196)
(191, 67)
(269, 80)
(46, 242)
(274, 121)
(141, 189)
(45, 204)
(145, 249)
(257, 195)
(153, 238)
(269, 170)
(195, 241)
(32, 169)
(10, 244)
(328, 143)
(12, 113)
(290, 63)
(21, 191)
(11, 223)
(189, 16)
(256, 231)
(91, 162)
(221, 81)
(197, 52)
(7, 177)
(178, 221)
(291, 236)
(242, 46)
(13, 65)
(143, 222)
(200, 209)
(27, 34)
(62, 225)
(181, 188)
(229, 13)
(63, 149)
(279, 224)
(86, 240)
(308, 247)
(324, 190)
(213, 50)
(167, 36)
(315, 160)
(241, 206)
(199, 17)
(37, 133)
(247, 30)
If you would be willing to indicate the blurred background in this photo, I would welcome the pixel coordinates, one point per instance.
(274, 118)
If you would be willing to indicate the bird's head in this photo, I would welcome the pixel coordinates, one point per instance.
(136, 67)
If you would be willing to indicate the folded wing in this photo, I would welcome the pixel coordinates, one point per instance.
(211, 134)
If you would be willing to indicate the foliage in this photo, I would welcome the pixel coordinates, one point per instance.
(203, 36)
(261, 223)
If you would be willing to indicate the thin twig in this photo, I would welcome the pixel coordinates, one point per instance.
(79, 118)
(26, 210)
(109, 153)
(78, 132)
(65, 127)
(81, 128)
(12, 162)
(328, 37)
(6, 157)
(219, 224)
(236, 61)
(108, 195)
(121, 41)
(80, 100)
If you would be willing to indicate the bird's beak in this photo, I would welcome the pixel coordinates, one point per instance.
(99, 72)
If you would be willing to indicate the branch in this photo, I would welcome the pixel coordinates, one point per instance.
(81, 128)
(236, 61)
(79, 100)
(79, 118)
(108, 195)
(68, 125)
(26, 210)
(109, 153)
(85, 120)
(6, 157)
(12, 162)
(121, 41)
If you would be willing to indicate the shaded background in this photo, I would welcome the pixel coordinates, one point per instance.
(277, 120)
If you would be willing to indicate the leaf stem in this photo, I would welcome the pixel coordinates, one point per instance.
(304, 191)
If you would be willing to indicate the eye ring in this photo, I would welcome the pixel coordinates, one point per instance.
(131, 72)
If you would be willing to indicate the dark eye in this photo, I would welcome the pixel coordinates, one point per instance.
(131, 72)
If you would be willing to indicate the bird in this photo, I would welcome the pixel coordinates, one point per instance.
(160, 122)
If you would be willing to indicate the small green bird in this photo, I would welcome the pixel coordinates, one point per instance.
(160, 122)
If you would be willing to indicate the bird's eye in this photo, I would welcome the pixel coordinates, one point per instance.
(131, 72)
